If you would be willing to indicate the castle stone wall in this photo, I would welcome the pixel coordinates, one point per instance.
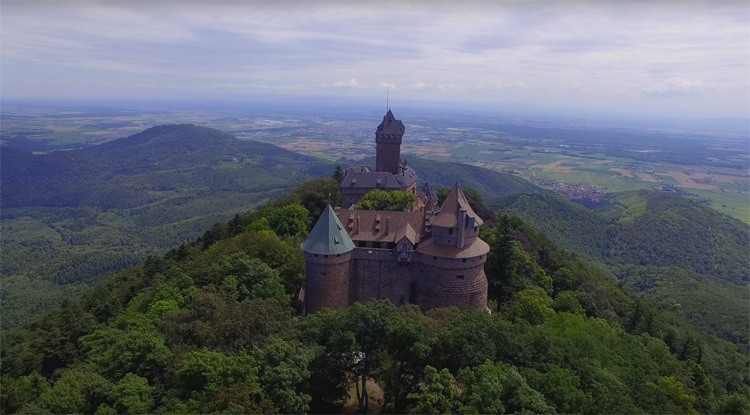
(352, 195)
(465, 288)
(327, 281)
(376, 273)
(388, 155)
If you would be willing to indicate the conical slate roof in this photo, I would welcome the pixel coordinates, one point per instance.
(328, 236)
(390, 125)
(447, 216)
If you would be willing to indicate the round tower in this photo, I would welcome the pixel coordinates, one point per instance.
(452, 277)
(327, 251)
(326, 281)
(451, 271)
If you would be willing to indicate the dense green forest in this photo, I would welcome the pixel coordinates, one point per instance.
(211, 327)
(682, 256)
(70, 217)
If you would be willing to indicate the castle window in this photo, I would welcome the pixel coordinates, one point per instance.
(450, 231)
(316, 255)
(464, 260)
(338, 255)
(460, 277)
(323, 274)
(434, 258)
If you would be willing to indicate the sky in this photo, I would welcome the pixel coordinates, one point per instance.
(672, 59)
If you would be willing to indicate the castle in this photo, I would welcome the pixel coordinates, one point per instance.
(430, 255)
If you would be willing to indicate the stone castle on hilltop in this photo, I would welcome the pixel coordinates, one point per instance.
(430, 255)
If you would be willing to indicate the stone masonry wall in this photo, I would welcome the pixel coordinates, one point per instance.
(387, 156)
(377, 274)
(465, 288)
(327, 281)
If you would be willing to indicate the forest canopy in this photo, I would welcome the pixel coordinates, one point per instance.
(211, 327)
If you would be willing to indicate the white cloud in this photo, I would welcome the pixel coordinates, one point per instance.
(350, 84)
(673, 87)
(417, 86)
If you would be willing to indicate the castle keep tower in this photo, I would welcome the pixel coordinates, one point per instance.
(328, 254)
(388, 138)
(391, 173)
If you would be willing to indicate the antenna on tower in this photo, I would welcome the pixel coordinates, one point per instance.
(387, 98)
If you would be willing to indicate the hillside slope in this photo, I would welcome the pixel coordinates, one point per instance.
(73, 216)
(671, 249)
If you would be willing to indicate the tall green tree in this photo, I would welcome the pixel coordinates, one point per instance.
(369, 325)
(132, 395)
(335, 347)
(338, 174)
(438, 393)
(117, 352)
(409, 347)
(498, 388)
(18, 392)
(292, 220)
(282, 367)
(394, 200)
(79, 389)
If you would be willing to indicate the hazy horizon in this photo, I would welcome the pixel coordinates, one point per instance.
(603, 59)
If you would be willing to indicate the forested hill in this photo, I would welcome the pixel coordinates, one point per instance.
(70, 217)
(644, 228)
(210, 327)
(689, 259)
(140, 169)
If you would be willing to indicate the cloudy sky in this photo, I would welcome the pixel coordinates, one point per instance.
(652, 58)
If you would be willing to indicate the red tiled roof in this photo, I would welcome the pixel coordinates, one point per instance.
(447, 216)
(473, 250)
(381, 226)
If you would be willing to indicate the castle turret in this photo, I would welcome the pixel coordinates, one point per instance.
(388, 138)
(451, 271)
(327, 251)
(456, 223)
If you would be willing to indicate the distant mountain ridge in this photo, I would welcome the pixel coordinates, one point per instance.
(137, 167)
